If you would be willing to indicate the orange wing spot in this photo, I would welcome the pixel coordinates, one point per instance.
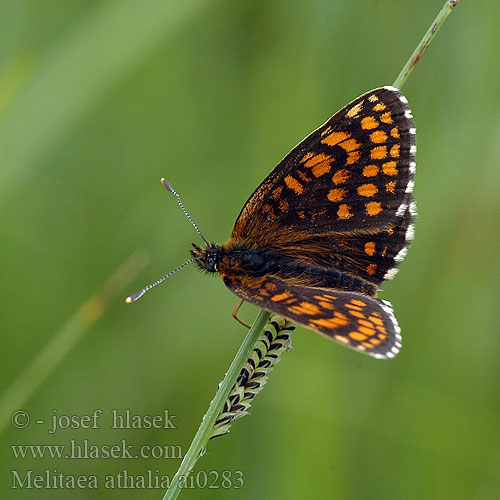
(390, 230)
(318, 213)
(376, 321)
(344, 212)
(378, 153)
(384, 252)
(373, 98)
(321, 169)
(341, 316)
(281, 296)
(367, 190)
(350, 145)
(370, 248)
(378, 136)
(367, 344)
(357, 302)
(269, 211)
(377, 314)
(320, 164)
(306, 157)
(381, 336)
(342, 340)
(371, 170)
(301, 214)
(369, 122)
(328, 297)
(375, 341)
(294, 184)
(303, 176)
(373, 208)
(337, 194)
(335, 137)
(326, 305)
(386, 117)
(358, 314)
(354, 111)
(379, 107)
(305, 308)
(357, 336)
(389, 168)
(321, 297)
(277, 192)
(395, 132)
(271, 286)
(395, 151)
(329, 322)
(315, 159)
(355, 307)
(390, 187)
(353, 157)
(284, 205)
(381, 329)
(341, 176)
(326, 131)
(371, 269)
(368, 324)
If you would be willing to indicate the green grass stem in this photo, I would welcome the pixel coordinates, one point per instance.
(425, 42)
(47, 359)
(202, 436)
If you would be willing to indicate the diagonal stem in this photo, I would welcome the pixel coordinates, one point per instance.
(425, 42)
(202, 436)
(47, 359)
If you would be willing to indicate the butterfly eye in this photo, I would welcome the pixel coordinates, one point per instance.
(211, 262)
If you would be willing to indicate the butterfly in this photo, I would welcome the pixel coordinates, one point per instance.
(327, 226)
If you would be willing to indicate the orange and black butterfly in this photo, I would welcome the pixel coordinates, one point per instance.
(328, 225)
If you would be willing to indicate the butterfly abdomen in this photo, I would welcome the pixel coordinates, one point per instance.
(237, 259)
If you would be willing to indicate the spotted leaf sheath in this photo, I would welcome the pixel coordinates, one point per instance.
(329, 224)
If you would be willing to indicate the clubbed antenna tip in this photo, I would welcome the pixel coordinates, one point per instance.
(140, 293)
(167, 185)
(134, 297)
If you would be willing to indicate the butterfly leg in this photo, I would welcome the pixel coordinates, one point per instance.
(235, 314)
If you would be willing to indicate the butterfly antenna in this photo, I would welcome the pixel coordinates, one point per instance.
(171, 190)
(140, 293)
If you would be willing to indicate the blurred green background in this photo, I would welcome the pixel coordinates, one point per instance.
(99, 99)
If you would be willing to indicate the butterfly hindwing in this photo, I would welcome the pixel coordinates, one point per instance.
(351, 174)
(352, 319)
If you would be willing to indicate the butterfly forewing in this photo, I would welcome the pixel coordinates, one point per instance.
(351, 174)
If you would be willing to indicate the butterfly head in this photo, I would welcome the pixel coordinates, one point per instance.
(207, 258)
